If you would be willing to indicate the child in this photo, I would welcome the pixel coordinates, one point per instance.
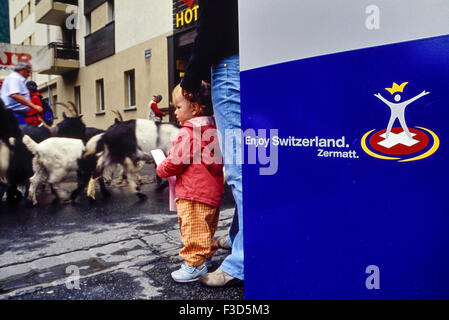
(34, 117)
(195, 160)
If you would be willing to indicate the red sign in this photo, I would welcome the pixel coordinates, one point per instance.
(19, 57)
(11, 54)
(189, 3)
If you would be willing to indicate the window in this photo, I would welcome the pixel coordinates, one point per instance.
(88, 24)
(111, 11)
(100, 95)
(68, 36)
(78, 99)
(130, 89)
(26, 10)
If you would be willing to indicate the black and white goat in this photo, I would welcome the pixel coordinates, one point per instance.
(127, 143)
(108, 173)
(15, 159)
(72, 126)
(56, 157)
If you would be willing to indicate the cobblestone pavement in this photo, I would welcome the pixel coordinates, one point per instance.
(120, 249)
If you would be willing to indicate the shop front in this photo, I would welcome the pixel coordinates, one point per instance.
(180, 44)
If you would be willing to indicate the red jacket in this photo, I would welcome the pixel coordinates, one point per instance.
(195, 160)
(33, 117)
(156, 109)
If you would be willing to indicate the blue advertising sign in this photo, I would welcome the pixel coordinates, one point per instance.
(350, 197)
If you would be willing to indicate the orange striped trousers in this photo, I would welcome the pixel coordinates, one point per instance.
(198, 223)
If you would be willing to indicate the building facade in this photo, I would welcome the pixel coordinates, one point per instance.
(4, 22)
(104, 55)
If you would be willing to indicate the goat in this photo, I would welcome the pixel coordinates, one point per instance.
(38, 134)
(15, 159)
(66, 149)
(127, 143)
(109, 171)
(9, 126)
(91, 131)
(71, 127)
(89, 165)
(84, 166)
(15, 169)
(54, 159)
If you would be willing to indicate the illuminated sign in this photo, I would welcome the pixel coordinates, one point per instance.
(187, 16)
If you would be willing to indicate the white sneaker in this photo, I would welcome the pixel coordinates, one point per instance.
(188, 273)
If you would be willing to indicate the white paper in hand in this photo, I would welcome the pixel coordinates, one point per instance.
(159, 156)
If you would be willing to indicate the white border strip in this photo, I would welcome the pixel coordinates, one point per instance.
(276, 31)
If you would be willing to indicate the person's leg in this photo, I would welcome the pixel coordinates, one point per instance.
(195, 238)
(197, 222)
(226, 101)
(20, 119)
(390, 125)
(401, 119)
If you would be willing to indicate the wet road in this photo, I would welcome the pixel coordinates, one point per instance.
(116, 248)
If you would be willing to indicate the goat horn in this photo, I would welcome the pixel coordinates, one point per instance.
(43, 124)
(68, 108)
(75, 109)
(115, 112)
(119, 116)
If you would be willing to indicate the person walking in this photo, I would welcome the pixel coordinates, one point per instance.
(216, 54)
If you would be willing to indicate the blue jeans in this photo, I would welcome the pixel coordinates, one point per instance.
(20, 118)
(226, 99)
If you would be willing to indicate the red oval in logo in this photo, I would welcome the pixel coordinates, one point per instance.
(399, 144)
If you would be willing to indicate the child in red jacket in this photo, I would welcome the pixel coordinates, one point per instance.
(34, 117)
(195, 160)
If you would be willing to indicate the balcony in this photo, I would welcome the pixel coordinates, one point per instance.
(61, 58)
(100, 44)
(53, 12)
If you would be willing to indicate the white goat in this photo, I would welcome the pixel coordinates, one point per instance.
(54, 160)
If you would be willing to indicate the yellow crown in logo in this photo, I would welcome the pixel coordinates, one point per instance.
(396, 88)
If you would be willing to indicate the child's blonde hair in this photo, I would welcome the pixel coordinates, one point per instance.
(203, 98)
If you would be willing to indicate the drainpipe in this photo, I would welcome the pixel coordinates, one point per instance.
(48, 76)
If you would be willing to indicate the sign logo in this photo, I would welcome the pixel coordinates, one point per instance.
(400, 143)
